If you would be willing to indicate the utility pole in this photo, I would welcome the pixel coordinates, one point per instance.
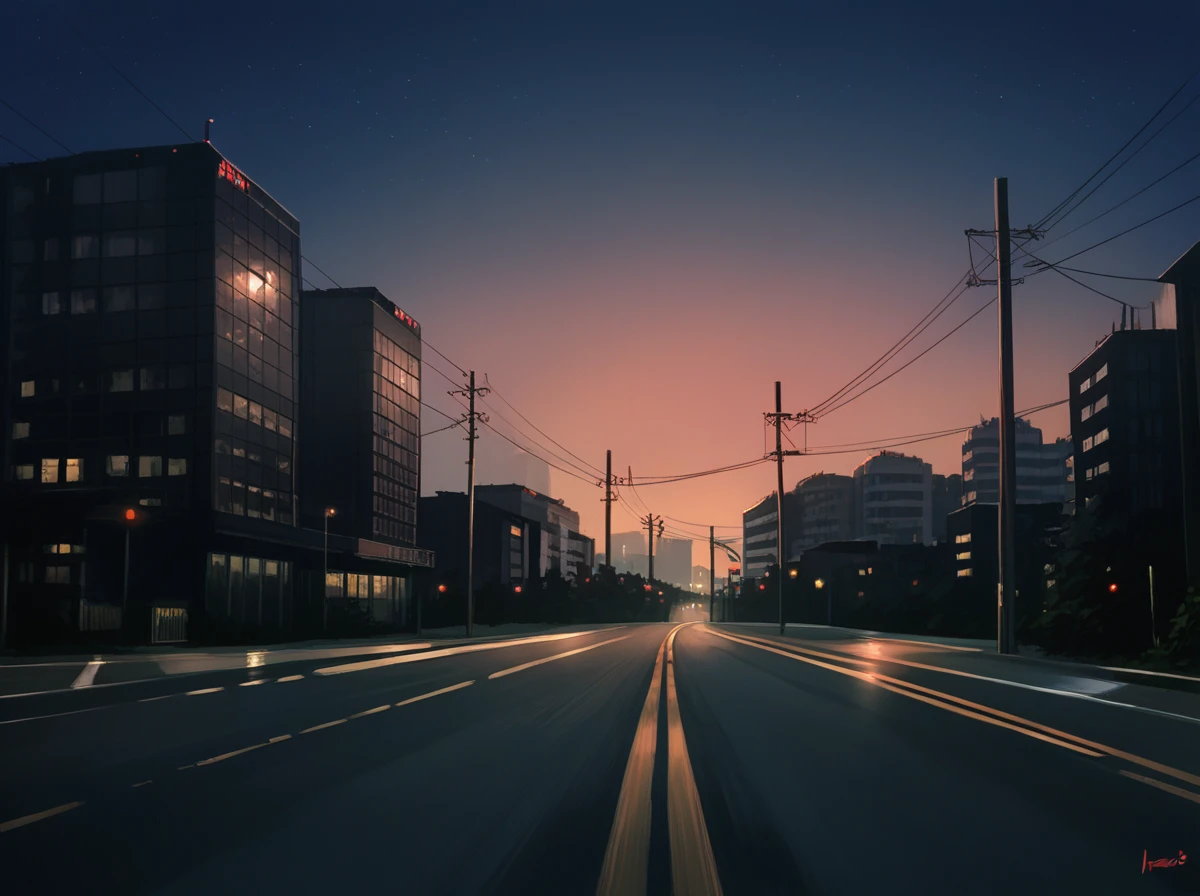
(472, 434)
(608, 499)
(650, 521)
(778, 419)
(1006, 608)
(712, 572)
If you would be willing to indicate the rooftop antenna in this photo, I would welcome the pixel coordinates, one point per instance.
(207, 123)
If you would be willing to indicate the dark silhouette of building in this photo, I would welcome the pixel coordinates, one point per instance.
(1125, 425)
(673, 561)
(947, 498)
(1042, 475)
(561, 545)
(760, 535)
(826, 506)
(506, 548)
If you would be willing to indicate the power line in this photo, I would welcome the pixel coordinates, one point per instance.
(443, 357)
(20, 147)
(1122, 233)
(1094, 273)
(442, 429)
(327, 277)
(33, 124)
(539, 457)
(697, 475)
(1124, 162)
(533, 441)
(496, 391)
(1063, 273)
(899, 346)
(139, 90)
(1054, 211)
(908, 363)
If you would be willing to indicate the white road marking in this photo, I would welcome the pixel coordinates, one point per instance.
(37, 816)
(250, 684)
(88, 675)
(324, 725)
(290, 678)
(444, 652)
(453, 687)
(557, 656)
(371, 712)
(204, 691)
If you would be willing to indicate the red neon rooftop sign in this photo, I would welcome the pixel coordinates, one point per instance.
(234, 176)
(407, 321)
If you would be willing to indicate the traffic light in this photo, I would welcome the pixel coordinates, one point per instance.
(132, 517)
(1113, 588)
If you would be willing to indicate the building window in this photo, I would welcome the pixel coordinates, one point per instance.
(85, 245)
(122, 381)
(150, 502)
(49, 470)
(118, 298)
(83, 301)
(1103, 468)
(285, 427)
(963, 539)
(50, 249)
(50, 303)
(152, 379)
(87, 189)
(1101, 437)
(74, 469)
(177, 466)
(23, 471)
(224, 400)
(515, 531)
(149, 466)
(270, 420)
(117, 465)
(256, 413)
(58, 575)
(965, 555)
(176, 424)
(241, 406)
(964, 573)
(28, 388)
(20, 431)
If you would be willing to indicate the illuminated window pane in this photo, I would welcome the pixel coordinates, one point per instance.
(149, 465)
(23, 471)
(74, 469)
(117, 465)
(28, 388)
(255, 415)
(224, 400)
(270, 420)
(49, 469)
(241, 406)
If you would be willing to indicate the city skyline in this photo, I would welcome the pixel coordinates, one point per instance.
(487, 175)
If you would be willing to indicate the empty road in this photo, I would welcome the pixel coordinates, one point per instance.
(628, 759)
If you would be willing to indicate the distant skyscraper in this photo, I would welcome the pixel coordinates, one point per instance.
(826, 508)
(626, 546)
(895, 499)
(673, 561)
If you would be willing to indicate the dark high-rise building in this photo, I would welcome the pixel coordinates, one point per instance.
(150, 295)
(361, 409)
(151, 368)
(826, 506)
(947, 497)
(1041, 467)
(1125, 424)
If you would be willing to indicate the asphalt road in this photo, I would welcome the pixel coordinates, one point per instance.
(613, 761)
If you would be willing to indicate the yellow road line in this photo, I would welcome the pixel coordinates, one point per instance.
(693, 866)
(371, 712)
(203, 691)
(289, 678)
(1074, 738)
(37, 816)
(557, 656)
(453, 687)
(627, 858)
(1163, 785)
(322, 726)
(250, 684)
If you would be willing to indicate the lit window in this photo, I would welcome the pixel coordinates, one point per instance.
(150, 502)
(49, 469)
(1101, 373)
(964, 573)
(50, 303)
(122, 381)
(241, 406)
(20, 431)
(1101, 436)
(23, 471)
(149, 466)
(1103, 468)
(963, 539)
(224, 400)
(83, 301)
(176, 424)
(965, 555)
(270, 420)
(516, 531)
(285, 427)
(74, 469)
(177, 466)
(117, 465)
(255, 413)
(28, 388)
(861, 572)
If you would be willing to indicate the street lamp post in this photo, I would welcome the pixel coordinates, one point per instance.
(329, 511)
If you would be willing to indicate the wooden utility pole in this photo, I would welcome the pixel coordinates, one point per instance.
(712, 562)
(608, 499)
(1006, 615)
(650, 521)
(472, 434)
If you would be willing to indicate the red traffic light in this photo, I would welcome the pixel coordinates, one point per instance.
(131, 514)
(1113, 587)
(762, 587)
(441, 589)
(517, 589)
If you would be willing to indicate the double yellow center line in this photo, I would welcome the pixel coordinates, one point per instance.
(627, 859)
(977, 711)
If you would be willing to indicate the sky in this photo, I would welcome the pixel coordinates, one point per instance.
(634, 219)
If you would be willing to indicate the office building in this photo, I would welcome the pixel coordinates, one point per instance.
(560, 546)
(760, 535)
(153, 374)
(947, 498)
(826, 510)
(506, 545)
(673, 561)
(625, 547)
(1124, 402)
(1041, 468)
(894, 494)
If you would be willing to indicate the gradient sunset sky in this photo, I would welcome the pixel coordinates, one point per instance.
(635, 220)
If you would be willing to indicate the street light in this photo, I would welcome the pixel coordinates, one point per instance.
(517, 589)
(793, 573)
(441, 589)
(329, 512)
